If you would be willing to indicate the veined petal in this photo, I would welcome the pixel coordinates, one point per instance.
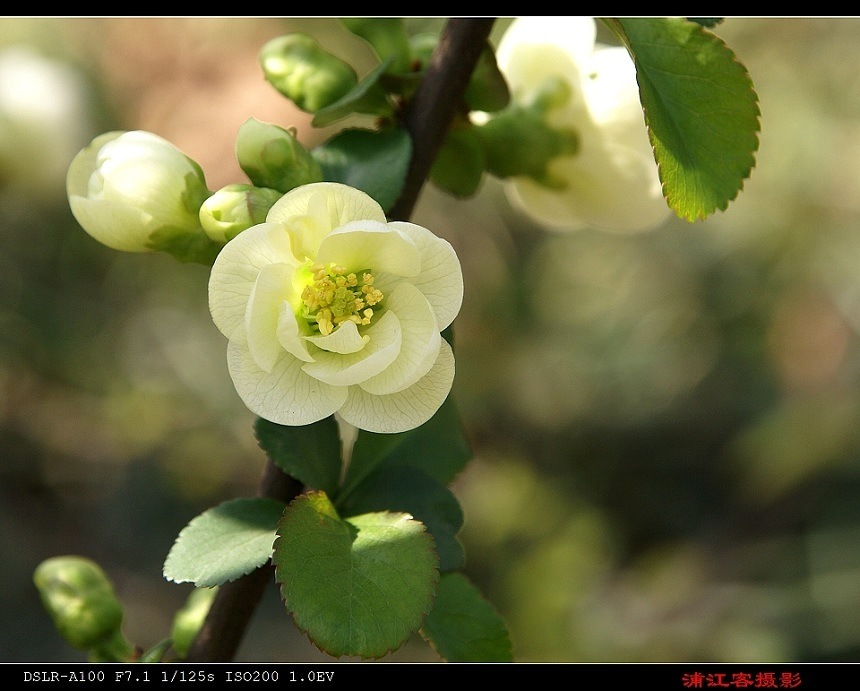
(440, 278)
(371, 245)
(269, 293)
(380, 351)
(405, 409)
(420, 346)
(328, 205)
(289, 334)
(236, 268)
(344, 340)
(286, 395)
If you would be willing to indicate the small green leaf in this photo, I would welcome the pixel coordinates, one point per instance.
(372, 161)
(309, 453)
(357, 587)
(225, 542)
(701, 111)
(367, 97)
(463, 626)
(156, 652)
(403, 488)
(459, 165)
(488, 88)
(707, 22)
(438, 447)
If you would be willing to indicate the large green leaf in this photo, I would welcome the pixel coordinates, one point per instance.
(309, 453)
(463, 626)
(701, 111)
(359, 586)
(395, 487)
(224, 543)
(374, 161)
(438, 447)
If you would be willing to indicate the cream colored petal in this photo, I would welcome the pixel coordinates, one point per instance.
(344, 340)
(290, 335)
(286, 395)
(328, 205)
(407, 409)
(264, 308)
(371, 245)
(236, 268)
(380, 351)
(420, 346)
(440, 278)
(534, 49)
(112, 223)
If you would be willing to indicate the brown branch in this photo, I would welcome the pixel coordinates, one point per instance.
(435, 103)
(437, 100)
(231, 611)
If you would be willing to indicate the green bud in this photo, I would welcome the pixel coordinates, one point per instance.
(189, 619)
(81, 601)
(273, 157)
(235, 208)
(518, 141)
(387, 37)
(303, 71)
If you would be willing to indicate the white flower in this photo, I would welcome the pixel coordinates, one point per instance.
(127, 186)
(612, 181)
(329, 308)
(44, 119)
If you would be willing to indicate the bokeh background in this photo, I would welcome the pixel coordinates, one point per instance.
(665, 425)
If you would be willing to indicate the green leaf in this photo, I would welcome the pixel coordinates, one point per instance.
(438, 447)
(357, 587)
(488, 88)
(463, 626)
(409, 490)
(373, 161)
(701, 111)
(156, 652)
(459, 165)
(309, 453)
(188, 246)
(368, 97)
(224, 543)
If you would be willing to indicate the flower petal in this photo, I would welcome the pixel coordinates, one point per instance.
(289, 334)
(110, 222)
(345, 339)
(534, 49)
(269, 293)
(371, 245)
(420, 344)
(404, 410)
(380, 351)
(440, 278)
(236, 268)
(286, 395)
(327, 205)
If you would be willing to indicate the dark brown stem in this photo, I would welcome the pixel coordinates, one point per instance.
(431, 112)
(437, 100)
(234, 605)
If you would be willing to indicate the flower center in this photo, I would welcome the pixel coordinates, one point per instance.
(334, 296)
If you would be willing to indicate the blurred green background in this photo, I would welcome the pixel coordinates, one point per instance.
(666, 449)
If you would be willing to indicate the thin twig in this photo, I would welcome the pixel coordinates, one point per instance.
(435, 104)
(437, 100)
